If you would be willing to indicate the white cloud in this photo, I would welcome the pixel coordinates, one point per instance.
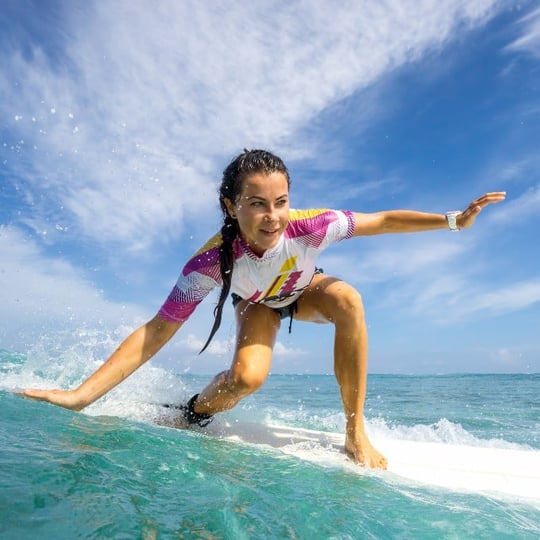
(129, 132)
(40, 294)
(280, 349)
(121, 137)
(393, 258)
(420, 274)
(217, 347)
(520, 209)
(226, 347)
(505, 299)
(529, 40)
(511, 360)
(341, 194)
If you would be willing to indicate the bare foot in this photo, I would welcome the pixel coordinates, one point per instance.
(63, 398)
(361, 451)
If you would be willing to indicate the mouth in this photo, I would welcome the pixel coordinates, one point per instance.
(269, 233)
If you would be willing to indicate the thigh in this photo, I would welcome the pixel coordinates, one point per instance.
(326, 299)
(257, 328)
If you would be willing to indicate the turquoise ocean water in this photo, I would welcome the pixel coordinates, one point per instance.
(112, 472)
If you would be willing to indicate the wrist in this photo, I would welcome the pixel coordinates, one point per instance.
(452, 220)
(78, 399)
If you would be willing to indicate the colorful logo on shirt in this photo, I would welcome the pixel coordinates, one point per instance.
(285, 282)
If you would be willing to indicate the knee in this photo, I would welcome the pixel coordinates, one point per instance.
(347, 304)
(247, 380)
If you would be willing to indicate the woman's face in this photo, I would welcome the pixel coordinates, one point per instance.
(262, 210)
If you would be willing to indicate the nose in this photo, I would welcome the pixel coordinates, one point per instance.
(271, 214)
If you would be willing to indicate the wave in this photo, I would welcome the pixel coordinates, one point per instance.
(65, 363)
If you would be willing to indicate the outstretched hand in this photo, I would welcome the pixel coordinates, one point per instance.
(63, 398)
(469, 215)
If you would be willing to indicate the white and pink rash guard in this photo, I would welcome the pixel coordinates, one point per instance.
(277, 278)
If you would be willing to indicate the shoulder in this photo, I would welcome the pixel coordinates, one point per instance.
(296, 214)
(205, 257)
(319, 219)
(211, 245)
(310, 218)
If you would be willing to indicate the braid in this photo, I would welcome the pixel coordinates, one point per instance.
(248, 162)
(226, 262)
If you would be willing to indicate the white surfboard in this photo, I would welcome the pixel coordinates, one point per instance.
(504, 471)
(511, 472)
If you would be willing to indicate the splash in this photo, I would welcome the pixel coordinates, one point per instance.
(65, 360)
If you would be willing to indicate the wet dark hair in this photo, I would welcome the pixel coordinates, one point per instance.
(247, 163)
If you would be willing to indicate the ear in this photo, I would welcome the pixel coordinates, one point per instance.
(230, 208)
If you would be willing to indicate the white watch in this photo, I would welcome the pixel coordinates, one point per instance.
(451, 219)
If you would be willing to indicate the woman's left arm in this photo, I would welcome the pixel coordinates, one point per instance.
(407, 221)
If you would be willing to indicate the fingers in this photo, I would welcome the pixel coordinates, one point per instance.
(489, 198)
(35, 394)
(469, 215)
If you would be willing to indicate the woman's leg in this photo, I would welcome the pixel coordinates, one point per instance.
(257, 328)
(328, 299)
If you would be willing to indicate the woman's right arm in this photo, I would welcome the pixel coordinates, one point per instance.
(134, 351)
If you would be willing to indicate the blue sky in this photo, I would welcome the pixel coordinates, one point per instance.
(116, 119)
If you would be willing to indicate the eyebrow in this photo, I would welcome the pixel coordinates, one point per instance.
(263, 199)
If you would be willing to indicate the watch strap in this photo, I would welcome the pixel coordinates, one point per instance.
(451, 219)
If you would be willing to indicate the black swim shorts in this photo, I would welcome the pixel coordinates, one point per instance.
(284, 312)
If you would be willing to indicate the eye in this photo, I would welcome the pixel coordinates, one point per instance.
(282, 202)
